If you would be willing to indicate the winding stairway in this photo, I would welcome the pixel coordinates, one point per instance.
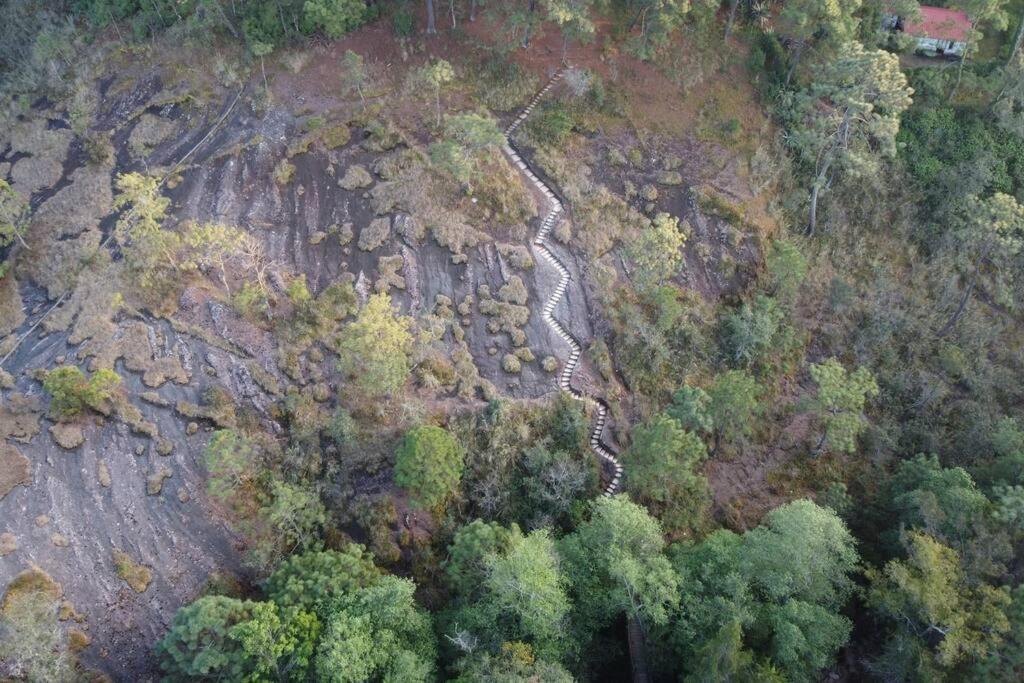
(541, 241)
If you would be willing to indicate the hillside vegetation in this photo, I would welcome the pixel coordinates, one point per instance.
(540, 340)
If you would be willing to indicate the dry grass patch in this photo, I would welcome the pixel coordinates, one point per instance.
(19, 417)
(149, 132)
(31, 582)
(8, 543)
(12, 313)
(67, 435)
(15, 469)
(48, 149)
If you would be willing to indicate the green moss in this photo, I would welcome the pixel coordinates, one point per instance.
(136, 575)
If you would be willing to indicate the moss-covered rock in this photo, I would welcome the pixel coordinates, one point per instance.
(374, 234)
(356, 177)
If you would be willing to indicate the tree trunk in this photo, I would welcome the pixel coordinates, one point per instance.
(472, 10)
(821, 444)
(637, 651)
(733, 5)
(955, 318)
(1017, 40)
(819, 182)
(797, 54)
(812, 223)
(529, 24)
(431, 26)
(451, 8)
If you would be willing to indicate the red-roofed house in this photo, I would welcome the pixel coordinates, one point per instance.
(939, 31)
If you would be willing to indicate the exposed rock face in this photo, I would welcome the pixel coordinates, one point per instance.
(124, 487)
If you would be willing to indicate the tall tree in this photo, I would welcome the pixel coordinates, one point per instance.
(662, 473)
(431, 21)
(809, 23)
(839, 405)
(313, 581)
(848, 118)
(617, 567)
(656, 20)
(374, 349)
(987, 241)
(355, 72)
(221, 638)
(428, 466)
(437, 74)
(573, 18)
(377, 633)
(937, 617)
(510, 587)
(773, 594)
(732, 405)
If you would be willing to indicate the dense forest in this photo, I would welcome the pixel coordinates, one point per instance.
(535, 340)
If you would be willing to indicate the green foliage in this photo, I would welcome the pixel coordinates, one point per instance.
(314, 581)
(374, 349)
(552, 125)
(377, 633)
(663, 473)
(515, 664)
(528, 464)
(774, 592)
(296, 514)
(616, 566)
(756, 333)
(436, 75)
(657, 252)
(356, 74)
(428, 465)
(232, 464)
(1006, 663)
(334, 17)
(465, 567)
(733, 405)
(787, 268)
(949, 152)
(221, 638)
(840, 403)
(521, 596)
(945, 503)
(990, 236)
(929, 593)
(469, 139)
(657, 21)
(71, 391)
(690, 408)
(846, 122)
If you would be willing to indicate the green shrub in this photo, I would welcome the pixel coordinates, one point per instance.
(428, 465)
(71, 391)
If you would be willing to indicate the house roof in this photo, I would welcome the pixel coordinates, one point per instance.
(939, 22)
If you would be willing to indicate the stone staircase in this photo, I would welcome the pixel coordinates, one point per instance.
(555, 211)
